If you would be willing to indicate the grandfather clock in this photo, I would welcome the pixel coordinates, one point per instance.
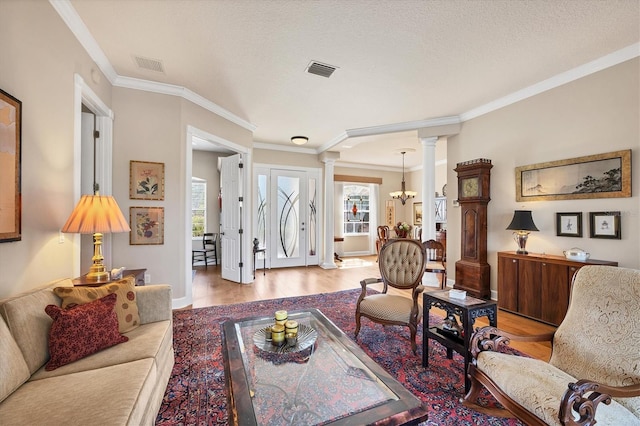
(472, 270)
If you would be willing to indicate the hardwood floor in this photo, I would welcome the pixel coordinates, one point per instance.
(209, 289)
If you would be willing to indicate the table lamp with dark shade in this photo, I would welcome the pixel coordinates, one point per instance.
(522, 224)
(97, 215)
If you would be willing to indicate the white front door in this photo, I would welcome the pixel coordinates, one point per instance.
(289, 222)
(231, 221)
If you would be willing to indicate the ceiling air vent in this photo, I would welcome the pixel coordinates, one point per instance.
(318, 68)
(149, 64)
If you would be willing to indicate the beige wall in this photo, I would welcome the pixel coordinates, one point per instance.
(596, 114)
(153, 127)
(39, 59)
(285, 158)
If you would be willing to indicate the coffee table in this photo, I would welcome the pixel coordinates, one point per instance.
(331, 381)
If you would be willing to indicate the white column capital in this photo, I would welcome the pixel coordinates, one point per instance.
(329, 157)
(431, 141)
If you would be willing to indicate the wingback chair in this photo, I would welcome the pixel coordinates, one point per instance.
(401, 263)
(594, 370)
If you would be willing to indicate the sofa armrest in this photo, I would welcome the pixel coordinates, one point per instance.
(492, 339)
(576, 408)
(154, 303)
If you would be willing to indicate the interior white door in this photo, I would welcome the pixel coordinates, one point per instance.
(231, 217)
(289, 223)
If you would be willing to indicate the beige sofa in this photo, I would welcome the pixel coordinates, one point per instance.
(121, 385)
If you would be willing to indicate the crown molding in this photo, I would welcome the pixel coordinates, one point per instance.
(367, 166)
(183, 92)
(82, 33)
(592, 67)
(286, 148)
(389, 128)
(79, 29)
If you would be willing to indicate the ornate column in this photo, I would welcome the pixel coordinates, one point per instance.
(329, 160)
(428, 188)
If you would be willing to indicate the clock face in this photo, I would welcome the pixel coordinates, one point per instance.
(470, 187)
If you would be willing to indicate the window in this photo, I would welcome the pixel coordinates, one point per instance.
(198, 207)
(356, 209)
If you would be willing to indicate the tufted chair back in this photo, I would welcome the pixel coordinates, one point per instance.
(402, 263)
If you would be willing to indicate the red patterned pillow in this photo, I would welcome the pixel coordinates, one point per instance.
(82, 330)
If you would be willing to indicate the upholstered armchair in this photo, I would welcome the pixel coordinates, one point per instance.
(594, 370)
(401, 262)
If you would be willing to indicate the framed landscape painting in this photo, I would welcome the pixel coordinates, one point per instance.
(593, 176)
(10, 172)
(146, 180)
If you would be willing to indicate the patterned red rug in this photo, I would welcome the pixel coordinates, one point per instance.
(196, 394)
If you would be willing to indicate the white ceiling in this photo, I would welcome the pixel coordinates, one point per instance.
(401, 61)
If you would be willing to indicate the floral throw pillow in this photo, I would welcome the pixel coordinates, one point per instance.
(126, 304)
(82, 330)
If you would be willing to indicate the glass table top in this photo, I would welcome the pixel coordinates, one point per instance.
(312, 383)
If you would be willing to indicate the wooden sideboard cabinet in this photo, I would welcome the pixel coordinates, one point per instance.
(537, 286)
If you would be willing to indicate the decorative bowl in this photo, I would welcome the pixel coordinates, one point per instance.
(576, 254)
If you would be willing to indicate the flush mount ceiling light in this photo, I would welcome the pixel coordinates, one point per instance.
(403, 195)
(299, 140)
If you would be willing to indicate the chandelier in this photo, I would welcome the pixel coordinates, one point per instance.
(403, 195)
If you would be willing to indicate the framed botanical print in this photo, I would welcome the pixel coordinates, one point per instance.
(605, 225)
(146, 180)
(147, 225)
(569, 224)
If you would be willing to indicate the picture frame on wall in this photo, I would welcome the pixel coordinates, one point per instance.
(147, 225)
(417, 213)
(390, 213)
(10, 168)
(594, 176)
(605, 225)
(146, 180)
(569, 224)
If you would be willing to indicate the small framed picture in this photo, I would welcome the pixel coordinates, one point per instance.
(390, 213)
(417, 213)
(146, 180)
(569, 224)
(147, 225)
(605, 225)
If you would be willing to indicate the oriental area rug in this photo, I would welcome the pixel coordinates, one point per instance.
(197, 395)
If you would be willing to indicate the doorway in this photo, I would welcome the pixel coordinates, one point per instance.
(285, 219)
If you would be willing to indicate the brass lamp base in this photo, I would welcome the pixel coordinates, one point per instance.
(97, 272)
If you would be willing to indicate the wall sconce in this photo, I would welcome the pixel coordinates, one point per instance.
(522, 224)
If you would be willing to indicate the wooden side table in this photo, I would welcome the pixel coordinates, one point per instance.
(466, 310)
(138, 273)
